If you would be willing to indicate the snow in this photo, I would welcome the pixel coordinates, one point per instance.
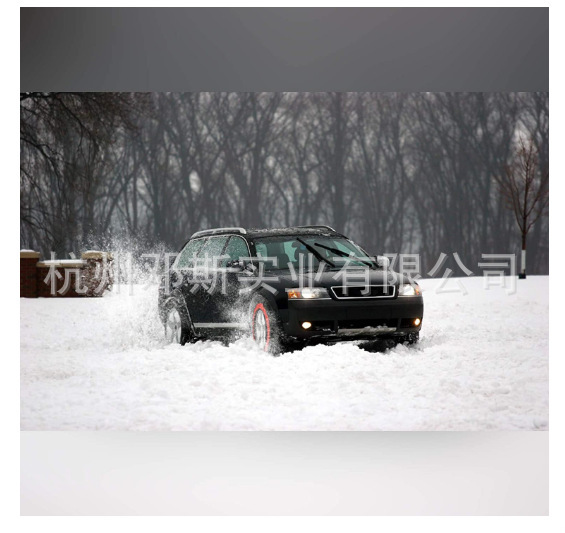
(101, 363)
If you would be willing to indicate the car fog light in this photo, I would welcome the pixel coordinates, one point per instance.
(306, 325)
(417, 321)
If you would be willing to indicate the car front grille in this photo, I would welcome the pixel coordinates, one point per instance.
(364, 291)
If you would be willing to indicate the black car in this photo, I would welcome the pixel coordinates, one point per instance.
(287, 287)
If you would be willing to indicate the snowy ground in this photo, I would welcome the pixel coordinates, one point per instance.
(481, 364)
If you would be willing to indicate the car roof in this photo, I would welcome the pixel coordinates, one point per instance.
(253, 233)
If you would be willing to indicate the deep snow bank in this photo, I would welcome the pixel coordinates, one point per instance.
(482, 363)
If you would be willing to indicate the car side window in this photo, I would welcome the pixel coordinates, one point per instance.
(211, 251)
(186, 258)
(235, 249)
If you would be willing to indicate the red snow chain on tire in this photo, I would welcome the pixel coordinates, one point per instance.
(262, 308)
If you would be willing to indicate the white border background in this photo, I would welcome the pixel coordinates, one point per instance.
(284, 473)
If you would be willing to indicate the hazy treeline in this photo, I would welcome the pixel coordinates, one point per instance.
(399, 173)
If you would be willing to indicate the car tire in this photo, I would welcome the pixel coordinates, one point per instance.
(177, 323)
(265, 326)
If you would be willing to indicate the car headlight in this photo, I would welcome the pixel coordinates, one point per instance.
(408, 289)
(307, 293)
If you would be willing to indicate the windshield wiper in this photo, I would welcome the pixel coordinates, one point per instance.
(315, 252)
(344, 254)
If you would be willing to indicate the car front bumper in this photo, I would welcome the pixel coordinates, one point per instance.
(352, 319)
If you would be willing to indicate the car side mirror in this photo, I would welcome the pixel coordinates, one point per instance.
(242, 266)
(236, 264)
(250, 267)
(383, 262)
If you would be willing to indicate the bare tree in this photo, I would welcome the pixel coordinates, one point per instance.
(398, 172)
(379, 170)
(249, 123)
(525, 186)
(63, 140)
(332, 144)
(457, 142)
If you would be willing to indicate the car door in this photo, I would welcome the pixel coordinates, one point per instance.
(182, 272)
(227, 311)
(206, 283)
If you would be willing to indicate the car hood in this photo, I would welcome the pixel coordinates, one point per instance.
(346, 277)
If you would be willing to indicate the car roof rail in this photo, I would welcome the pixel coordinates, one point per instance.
(213, 231)
(319, 226)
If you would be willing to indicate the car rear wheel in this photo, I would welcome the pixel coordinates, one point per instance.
(177, 323)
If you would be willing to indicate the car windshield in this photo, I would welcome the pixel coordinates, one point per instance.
(280, 252)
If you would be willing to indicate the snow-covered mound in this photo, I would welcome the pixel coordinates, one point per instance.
(482, 363)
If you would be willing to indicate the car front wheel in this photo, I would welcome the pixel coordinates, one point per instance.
(265, 327)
